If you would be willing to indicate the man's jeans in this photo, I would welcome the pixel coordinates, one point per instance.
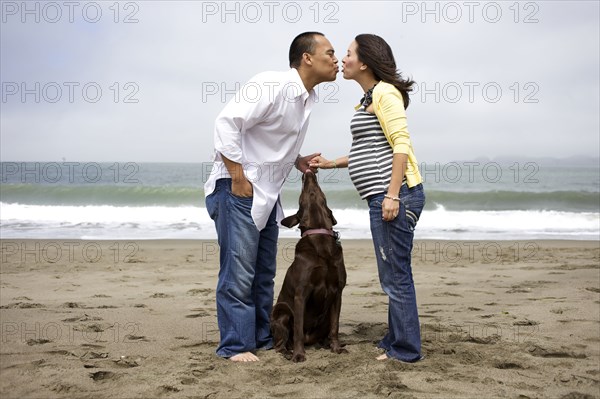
(393, 244)
(245, 286)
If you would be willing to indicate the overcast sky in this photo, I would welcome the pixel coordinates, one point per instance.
(143, 81)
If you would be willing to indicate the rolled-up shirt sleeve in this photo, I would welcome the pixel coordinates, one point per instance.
(392, 117)
(248, 108)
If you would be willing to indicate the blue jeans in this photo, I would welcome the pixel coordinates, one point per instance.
(247, 259)
(393, 243)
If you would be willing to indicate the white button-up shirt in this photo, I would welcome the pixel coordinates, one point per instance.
(263, 128)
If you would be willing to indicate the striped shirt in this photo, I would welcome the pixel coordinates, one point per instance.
(370, 158)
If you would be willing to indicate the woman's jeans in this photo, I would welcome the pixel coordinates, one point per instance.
(245, 286)
(393, 244)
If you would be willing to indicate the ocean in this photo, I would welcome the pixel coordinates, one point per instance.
(476, 200)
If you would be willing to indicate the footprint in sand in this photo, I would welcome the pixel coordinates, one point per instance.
(22, 305)
(92, 346)
(39, 341)
(73, 305)
(527, 286)
(134, 260)
(103, 376)
(34, 365)
(91, 328)
(441, 294)
(136, 338)
(507, 365)
(63, 388)
(60, 352)
(389, 383)
(128, 361)
(366, 332)
(94, 355)
(198, 291)
(374, 305)
(167, 389)
(539, 351)
(196, 315)
(160, 295)
(525, 323)
(84, 317)
(487, 340)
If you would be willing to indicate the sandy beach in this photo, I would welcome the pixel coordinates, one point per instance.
(137, 319)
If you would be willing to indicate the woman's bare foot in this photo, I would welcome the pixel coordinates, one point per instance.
(244, 357)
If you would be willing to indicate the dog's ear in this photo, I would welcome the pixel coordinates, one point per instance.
(333, 221)
(291, 221)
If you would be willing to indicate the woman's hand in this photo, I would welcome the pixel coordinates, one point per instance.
(303, 163)
(320, 162)
(389, 209)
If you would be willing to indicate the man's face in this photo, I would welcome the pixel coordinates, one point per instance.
(324, 61)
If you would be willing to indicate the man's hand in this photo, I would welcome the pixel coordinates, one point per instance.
(303, 163)
(241, 188)
(320, 162)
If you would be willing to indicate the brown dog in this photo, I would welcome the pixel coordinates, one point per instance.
(308, 307)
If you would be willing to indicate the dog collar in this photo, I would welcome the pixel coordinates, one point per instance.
(318, 231)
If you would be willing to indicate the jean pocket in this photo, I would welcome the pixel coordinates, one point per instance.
(413, 208)
(411, 219)
(211, 205)
(239, 198)
(240, 202)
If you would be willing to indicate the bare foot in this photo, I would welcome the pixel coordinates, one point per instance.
(384, 357)
(244, 357)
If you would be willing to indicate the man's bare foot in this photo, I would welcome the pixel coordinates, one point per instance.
(244, 357)
(384, 357)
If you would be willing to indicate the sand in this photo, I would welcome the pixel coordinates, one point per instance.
(125, 319)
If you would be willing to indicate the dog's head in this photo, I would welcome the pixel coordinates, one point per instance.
(313, 212)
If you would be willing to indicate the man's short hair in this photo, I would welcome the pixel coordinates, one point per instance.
(303, 43)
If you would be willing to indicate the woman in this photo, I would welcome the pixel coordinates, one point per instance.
(383, 168)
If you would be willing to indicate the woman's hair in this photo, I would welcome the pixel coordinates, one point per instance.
(373, 51)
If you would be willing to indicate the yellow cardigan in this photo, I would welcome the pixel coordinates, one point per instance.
(389, 108)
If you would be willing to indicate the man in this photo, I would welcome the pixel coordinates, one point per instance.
(258, 136)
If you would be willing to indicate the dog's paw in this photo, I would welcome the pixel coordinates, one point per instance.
(298, 357)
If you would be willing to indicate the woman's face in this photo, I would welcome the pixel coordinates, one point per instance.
(351, 63)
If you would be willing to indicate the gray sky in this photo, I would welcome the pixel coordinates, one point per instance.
(494, 78)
